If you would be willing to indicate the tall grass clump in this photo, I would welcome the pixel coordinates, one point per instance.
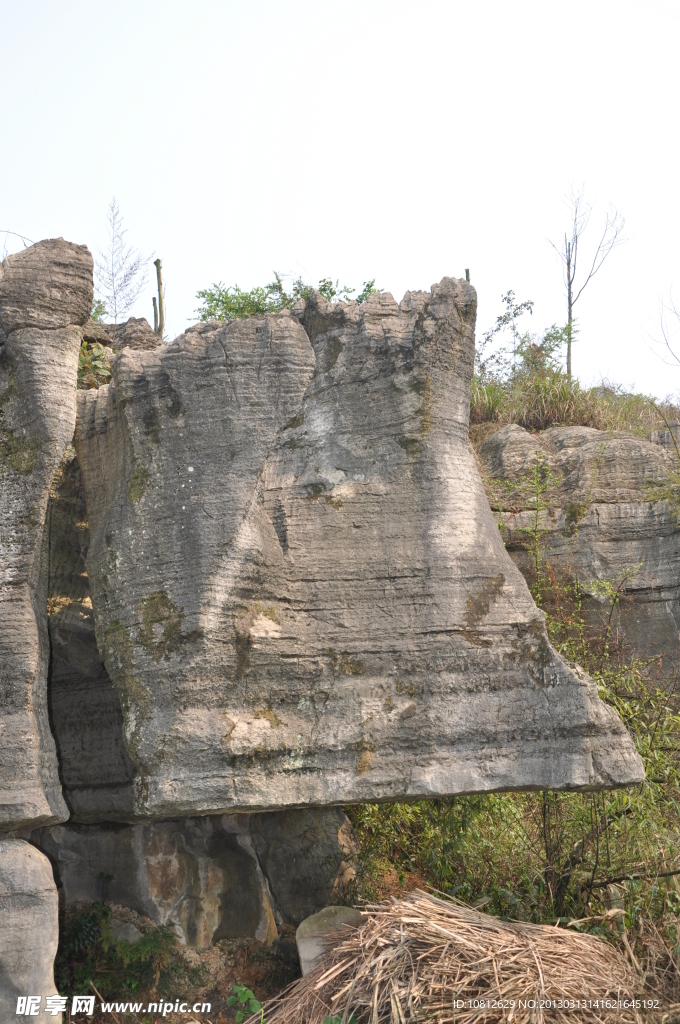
(528, 385)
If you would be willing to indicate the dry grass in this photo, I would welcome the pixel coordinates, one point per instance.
(540, 400)
(414, 957)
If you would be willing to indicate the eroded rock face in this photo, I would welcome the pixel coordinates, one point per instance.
(307, 857)
(46, 286)
(86, 718)
(135, 333)
(45, 295)
(606, 519)
(208, 878)
(29, 928)
(300, 592)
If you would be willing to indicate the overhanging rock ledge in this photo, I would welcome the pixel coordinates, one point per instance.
(300, 593)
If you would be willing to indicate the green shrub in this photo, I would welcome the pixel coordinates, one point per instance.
(93, 365)
(231, 302)
(88, 955)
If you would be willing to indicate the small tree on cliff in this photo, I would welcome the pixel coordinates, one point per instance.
(580, 211)
(120, 271)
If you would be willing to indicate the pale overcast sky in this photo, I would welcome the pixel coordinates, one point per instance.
(401, 141)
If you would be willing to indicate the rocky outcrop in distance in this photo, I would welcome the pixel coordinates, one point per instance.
(608, 516)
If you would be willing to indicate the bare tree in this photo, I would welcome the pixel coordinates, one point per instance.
(668, 331)
(580, 211)
(120, 272)
(5, 248)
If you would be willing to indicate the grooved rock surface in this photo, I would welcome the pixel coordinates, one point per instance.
(136, 333)
(50, 285)
(46, 286)
(29, 928)
(300, 592)
(208, 878)
(608, 516)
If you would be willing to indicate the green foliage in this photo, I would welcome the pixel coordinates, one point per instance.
(99, 311)
(88, 955)
(232, 303)
(368, 289)
(93, 365)
(247, 1004)
(523, 381)
(339, 1019)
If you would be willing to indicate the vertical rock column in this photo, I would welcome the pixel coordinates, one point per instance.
(29, 929)
(45, 297)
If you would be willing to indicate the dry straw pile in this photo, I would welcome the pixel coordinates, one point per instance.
(427, 959)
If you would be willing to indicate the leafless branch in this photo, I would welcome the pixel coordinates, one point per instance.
(611, 237)
(15, 234)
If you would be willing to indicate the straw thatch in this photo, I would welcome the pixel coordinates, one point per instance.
(428, 959)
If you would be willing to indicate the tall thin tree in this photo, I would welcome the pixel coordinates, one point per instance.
(580, 212)
(120, 271)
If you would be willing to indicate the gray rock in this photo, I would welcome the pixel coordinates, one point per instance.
(135, 333)
(30, 928)
(93, 331)
(609, 517)
(46, 286)
(38, 370)
(123, 931)
(306, 857)
(212, 877)
(85, 714)
(300, 592)
(320, 931)
(667, 437)
(199, 876)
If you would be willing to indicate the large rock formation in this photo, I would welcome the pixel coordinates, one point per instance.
(299, 590)
(45, 295)
(607, 516)
(29, 929)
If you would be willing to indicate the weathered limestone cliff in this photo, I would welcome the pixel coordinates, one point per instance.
(606, 517)
(45, 297)
(265, 581)
(299, 590)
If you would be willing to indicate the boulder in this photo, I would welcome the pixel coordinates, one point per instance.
(320, 931)
(135, 333)
(124, 931)
(45, 294)
(95, 332)
(607, 517)
(30, 928)
(300, 592)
